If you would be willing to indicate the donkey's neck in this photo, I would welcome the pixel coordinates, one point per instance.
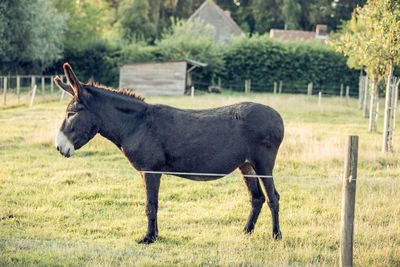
(119, 115)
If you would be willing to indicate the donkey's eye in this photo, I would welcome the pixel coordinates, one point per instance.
(70, 114)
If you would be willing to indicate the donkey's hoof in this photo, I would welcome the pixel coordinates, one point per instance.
(277, 235)
(248, 230)
(147, 240)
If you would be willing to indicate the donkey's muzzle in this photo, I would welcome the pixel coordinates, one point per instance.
(63, 145)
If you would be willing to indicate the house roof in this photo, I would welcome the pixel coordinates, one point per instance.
(212, 14)
(291, 35)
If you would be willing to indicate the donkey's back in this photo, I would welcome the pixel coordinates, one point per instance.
(214, 140)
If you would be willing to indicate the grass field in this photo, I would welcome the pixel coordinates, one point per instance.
(89, 209)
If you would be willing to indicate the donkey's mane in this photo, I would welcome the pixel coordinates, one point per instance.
(118, 91)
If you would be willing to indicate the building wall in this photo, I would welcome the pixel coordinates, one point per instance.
(166, 78)
(222, 23)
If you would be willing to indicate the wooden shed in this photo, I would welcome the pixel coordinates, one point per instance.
(158, 78)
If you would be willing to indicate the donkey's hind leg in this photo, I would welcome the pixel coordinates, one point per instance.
(256, 195)
(264, 168)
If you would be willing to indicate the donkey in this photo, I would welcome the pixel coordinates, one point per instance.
(160, 138)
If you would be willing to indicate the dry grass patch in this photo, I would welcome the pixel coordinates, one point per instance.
(89, 209)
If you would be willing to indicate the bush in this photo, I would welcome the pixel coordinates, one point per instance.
(260, 58)
(265, 60)
(97, 59)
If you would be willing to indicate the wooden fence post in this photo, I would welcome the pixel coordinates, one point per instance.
(247, 86)
(319, 98)
(52, 84)
(341, 90)
(42, 82)
(219, 83)
(18, 88)
(33, 81)
(192, 92)
(62, 96)
(280, 87)
(5, 90)
(309, 89)
(33, 95)
(62, 91)
(347, 93)
(348, 202)
(275, 87)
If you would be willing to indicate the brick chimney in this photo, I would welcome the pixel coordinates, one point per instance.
(321, 31)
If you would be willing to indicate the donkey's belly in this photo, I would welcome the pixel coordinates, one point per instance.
(204, 169)
(200, 177)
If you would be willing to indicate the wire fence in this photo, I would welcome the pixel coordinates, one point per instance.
(23, 85)
(338, 177)
(138, 250)
(287, 87)
(18, 89)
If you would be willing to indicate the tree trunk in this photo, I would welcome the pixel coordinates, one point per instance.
(366, 97)
(361, 91)
(373, 111)
(155, 15)
(387, 128)
(395, 101)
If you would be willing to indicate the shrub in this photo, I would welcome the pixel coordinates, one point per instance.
(97, 59)
(265, 60)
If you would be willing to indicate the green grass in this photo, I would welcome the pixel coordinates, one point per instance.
(89, 209)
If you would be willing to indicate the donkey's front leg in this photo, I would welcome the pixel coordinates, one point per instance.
(151, 184)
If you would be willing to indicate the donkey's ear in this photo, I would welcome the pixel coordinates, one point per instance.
(63, 86)
(73, 81)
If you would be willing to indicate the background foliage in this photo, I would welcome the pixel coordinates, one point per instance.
(97, 36)
(265, 60)
(28, 42)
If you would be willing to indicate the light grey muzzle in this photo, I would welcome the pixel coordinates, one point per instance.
(63, 145)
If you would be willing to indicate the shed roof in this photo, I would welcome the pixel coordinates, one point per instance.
(187, 60)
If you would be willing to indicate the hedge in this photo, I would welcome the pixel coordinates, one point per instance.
(265, 60)
(259, 58)
(98, 59)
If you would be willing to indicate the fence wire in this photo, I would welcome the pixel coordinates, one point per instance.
(338, 177)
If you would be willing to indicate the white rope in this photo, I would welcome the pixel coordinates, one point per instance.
(204, 174)
(336, 178)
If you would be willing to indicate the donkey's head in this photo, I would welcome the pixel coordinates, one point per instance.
(80, 123)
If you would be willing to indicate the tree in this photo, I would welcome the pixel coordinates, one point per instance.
(156, 7)
(353, 42)
(291, 10)
(88, 20)
(387, 43)
(266, 15)
(134, 23)
(375, 44)
(29, 39)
